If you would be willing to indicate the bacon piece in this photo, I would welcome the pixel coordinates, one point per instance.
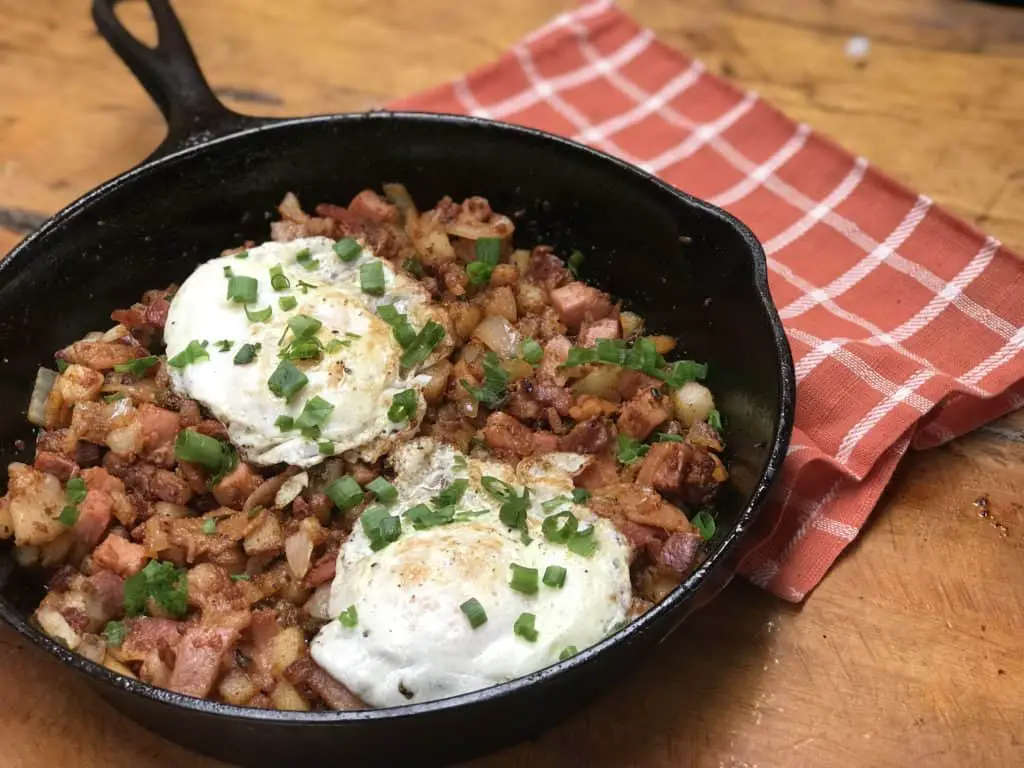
(679, 552)
(554, 396)
(577, 302)
(679, 468)
(322, 570)
(199, 658)
(507, 437)
(370, 206)
(640, 505)
(120, 556)
(544, 442)
(156, 312)
(644, 413)
(590, 332)
(306, 673)
(547, 269)
(590, 436)
(100, 355)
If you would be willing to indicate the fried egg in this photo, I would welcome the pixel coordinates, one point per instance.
(410, 641)
(359, 374)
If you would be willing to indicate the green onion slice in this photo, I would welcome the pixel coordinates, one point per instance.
(371, 278)
(193, 353)
(475, 613)
(242, 289)
(523, 579)
(348, 250)
(137, 367)
(344, 492)
(286, 380)
(554, 576)
(246, 354)
(525, 627)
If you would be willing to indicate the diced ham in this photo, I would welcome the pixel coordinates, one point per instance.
(236, 486)
(159, 429)
(94, 515)
(644, 413)
(554, 396)
(590, 436)
(120, 556)
(98, 479)
(577, 302)
(106, 593)
(199, 658)
(145, 635)
(507, 437)
(57, 464)
(590, 332)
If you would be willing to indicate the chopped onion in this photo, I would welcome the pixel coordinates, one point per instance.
(168, 509)
(632, 324)
(517, 369)
(692, 403)
(521, 260)
(264, 495)
(318, 605)
(290, 489)
(298, 551)
(45, 379)
(93, 336)
(126, 440)
(601, 382)
(499, 335)
(471, 229)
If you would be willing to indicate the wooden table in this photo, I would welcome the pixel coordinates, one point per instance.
(912, 650)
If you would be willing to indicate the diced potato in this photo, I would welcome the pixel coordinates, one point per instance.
(692, 403)
(632, 324)
(438, 373)
(285, 696)
(520, 259)
(464, 317)
(286, 647)
(236, 687)
(57, 627)
(35, 499)
(265, 537)
(602, 382)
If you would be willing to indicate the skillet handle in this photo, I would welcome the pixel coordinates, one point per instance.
(171, 75)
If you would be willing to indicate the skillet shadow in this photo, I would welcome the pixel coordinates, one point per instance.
(692, 683)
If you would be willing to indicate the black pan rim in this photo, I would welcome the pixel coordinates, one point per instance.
(675, 602)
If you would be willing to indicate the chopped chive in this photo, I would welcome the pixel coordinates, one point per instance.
(284, 422)
(488, 254)
(315, 414)
(630, 451)
(568, 652)
(240, 577)
(665, 437)
(305, 258)
(557, 531)
(193, 353)
(68, 516)
(137, 367)
(475, 613)
(349, 617)
(242, 289)
(246, 354)
(62, 365)
(714, 419)
(583, 543)
(705, 524)
(304, 326)
(497, 488)
(418, 351)
(304, 287)
(216, 456)
(554, 576)
(523, 579)
(580, 495)
(494, 390)
(326, 447)
(380, 527)
(371, 278)
(209, 526)
(287, 303)
(531, 352)
(277, 279)
(242, 255)
(403, 406)
(228, 271)
(344, 492)
(114, 633)
(113, 397)
(348, 249)
(258, 315)
(576, 259)
(413, 267)
(382, 489)
(452, 494)
(334, 345)
(75, 490)
(525, 628)
(286, 380)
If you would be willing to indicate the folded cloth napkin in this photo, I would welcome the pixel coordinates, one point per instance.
(905, 322)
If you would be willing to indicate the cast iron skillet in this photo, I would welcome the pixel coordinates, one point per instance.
(692, 270)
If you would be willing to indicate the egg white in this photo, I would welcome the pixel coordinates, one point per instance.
(360, 380)
(412, 642)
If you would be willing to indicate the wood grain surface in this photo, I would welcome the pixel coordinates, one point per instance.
(912, 650)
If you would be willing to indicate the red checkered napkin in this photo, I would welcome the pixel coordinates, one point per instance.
(905, 322)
